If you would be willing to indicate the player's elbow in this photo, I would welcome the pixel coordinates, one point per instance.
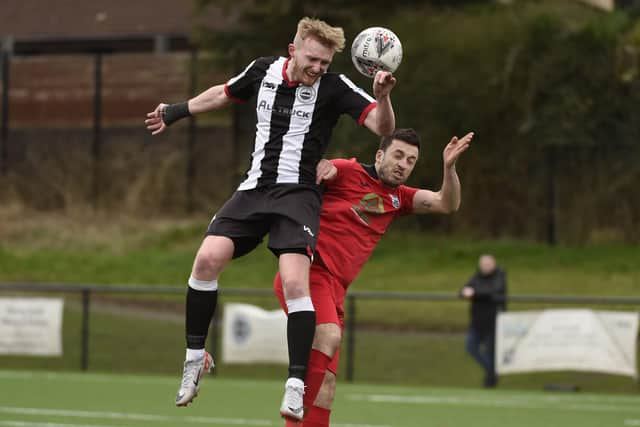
(454, 207)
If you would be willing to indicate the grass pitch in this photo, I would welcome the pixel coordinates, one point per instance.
(48, 399)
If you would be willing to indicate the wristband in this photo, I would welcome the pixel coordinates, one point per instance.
(174, 112)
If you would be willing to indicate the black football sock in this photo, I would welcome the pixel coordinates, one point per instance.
(201, 306)
(301, 327)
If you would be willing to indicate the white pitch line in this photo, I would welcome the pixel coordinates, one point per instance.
(142, 417)
(12, 423)
(632, 423)
(494, 402)
(133, 416)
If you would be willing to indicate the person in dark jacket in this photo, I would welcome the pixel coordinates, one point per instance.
(487, 290)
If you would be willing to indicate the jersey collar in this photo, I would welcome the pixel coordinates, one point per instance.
(371, 170)
(284, 74)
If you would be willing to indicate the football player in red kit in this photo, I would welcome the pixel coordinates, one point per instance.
(359, 203)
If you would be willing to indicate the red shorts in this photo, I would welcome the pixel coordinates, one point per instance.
(327, 295)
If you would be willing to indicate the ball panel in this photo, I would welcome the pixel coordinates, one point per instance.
(374, 49)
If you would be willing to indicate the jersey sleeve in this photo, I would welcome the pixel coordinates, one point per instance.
(353, 100)
(406, 196)
(243, 86)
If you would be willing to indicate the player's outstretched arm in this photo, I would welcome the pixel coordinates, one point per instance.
(446, 200)
(166, 114)
(382, 120)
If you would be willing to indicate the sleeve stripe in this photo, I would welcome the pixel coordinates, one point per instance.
(356, 89)
(365, 112)
(239, 76)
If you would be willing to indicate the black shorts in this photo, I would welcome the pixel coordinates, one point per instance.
(290, 213)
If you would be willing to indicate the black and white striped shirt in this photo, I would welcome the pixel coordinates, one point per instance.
(294, 122)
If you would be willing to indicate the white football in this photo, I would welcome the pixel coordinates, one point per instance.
(374, 49)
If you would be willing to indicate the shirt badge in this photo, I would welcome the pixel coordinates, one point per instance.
(395, 201)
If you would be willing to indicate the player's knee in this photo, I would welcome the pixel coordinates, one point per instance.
(208, 264)
(327, 340)
(295, 288)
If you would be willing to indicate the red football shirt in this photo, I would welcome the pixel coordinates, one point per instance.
(356, 211)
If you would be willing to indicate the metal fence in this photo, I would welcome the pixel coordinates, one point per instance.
(87, 291)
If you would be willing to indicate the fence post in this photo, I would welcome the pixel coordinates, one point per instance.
(86, 296)
(351, 336)
(552, 237)
(97, 125)
(4, 131)
(192, 136)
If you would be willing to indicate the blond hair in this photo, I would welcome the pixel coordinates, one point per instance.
(331, 37)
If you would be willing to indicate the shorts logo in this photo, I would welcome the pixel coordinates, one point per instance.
(395, 200)
(308, 231)
(306, 94)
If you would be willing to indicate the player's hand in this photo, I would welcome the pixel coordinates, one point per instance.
(154, 120)
(455, 148)
(467, 292)
(325, 171)
(383, 82)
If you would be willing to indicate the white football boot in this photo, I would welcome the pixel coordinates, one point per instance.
(191, 376)
(292, 402)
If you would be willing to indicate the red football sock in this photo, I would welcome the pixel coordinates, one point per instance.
(317, 417)
(291, 423)
(316, 370)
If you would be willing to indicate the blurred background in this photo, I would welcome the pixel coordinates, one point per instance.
(90, 202)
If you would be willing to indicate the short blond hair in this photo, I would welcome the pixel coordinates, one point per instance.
(331, 37)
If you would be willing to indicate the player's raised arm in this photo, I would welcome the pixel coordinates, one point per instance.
(382, 120)
(166, 114)
(446, 200)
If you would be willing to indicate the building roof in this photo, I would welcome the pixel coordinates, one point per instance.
(102, 18)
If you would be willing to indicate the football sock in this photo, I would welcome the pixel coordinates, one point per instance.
(291, 423)
(201, 305)
(301, 327)
(318, 364)
(193, 354)
(317, 417)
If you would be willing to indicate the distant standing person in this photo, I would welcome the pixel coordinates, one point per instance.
(487, 290)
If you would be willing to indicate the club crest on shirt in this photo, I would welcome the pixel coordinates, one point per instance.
(306, 94)
(395, 201)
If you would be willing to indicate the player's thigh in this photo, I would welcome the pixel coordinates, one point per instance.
(328, 329)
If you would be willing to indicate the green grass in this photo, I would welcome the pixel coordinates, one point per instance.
(40, 399)
(412, 342)
(161, 253)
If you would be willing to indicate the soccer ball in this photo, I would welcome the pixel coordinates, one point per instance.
(375, 49)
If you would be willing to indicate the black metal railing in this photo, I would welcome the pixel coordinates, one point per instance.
(87, 290)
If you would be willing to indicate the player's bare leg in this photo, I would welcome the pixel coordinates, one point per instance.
(202, 296)
(294, 271)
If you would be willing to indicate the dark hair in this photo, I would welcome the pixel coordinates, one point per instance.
(407, 135)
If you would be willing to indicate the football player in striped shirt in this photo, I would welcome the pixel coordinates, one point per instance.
(297, 105)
